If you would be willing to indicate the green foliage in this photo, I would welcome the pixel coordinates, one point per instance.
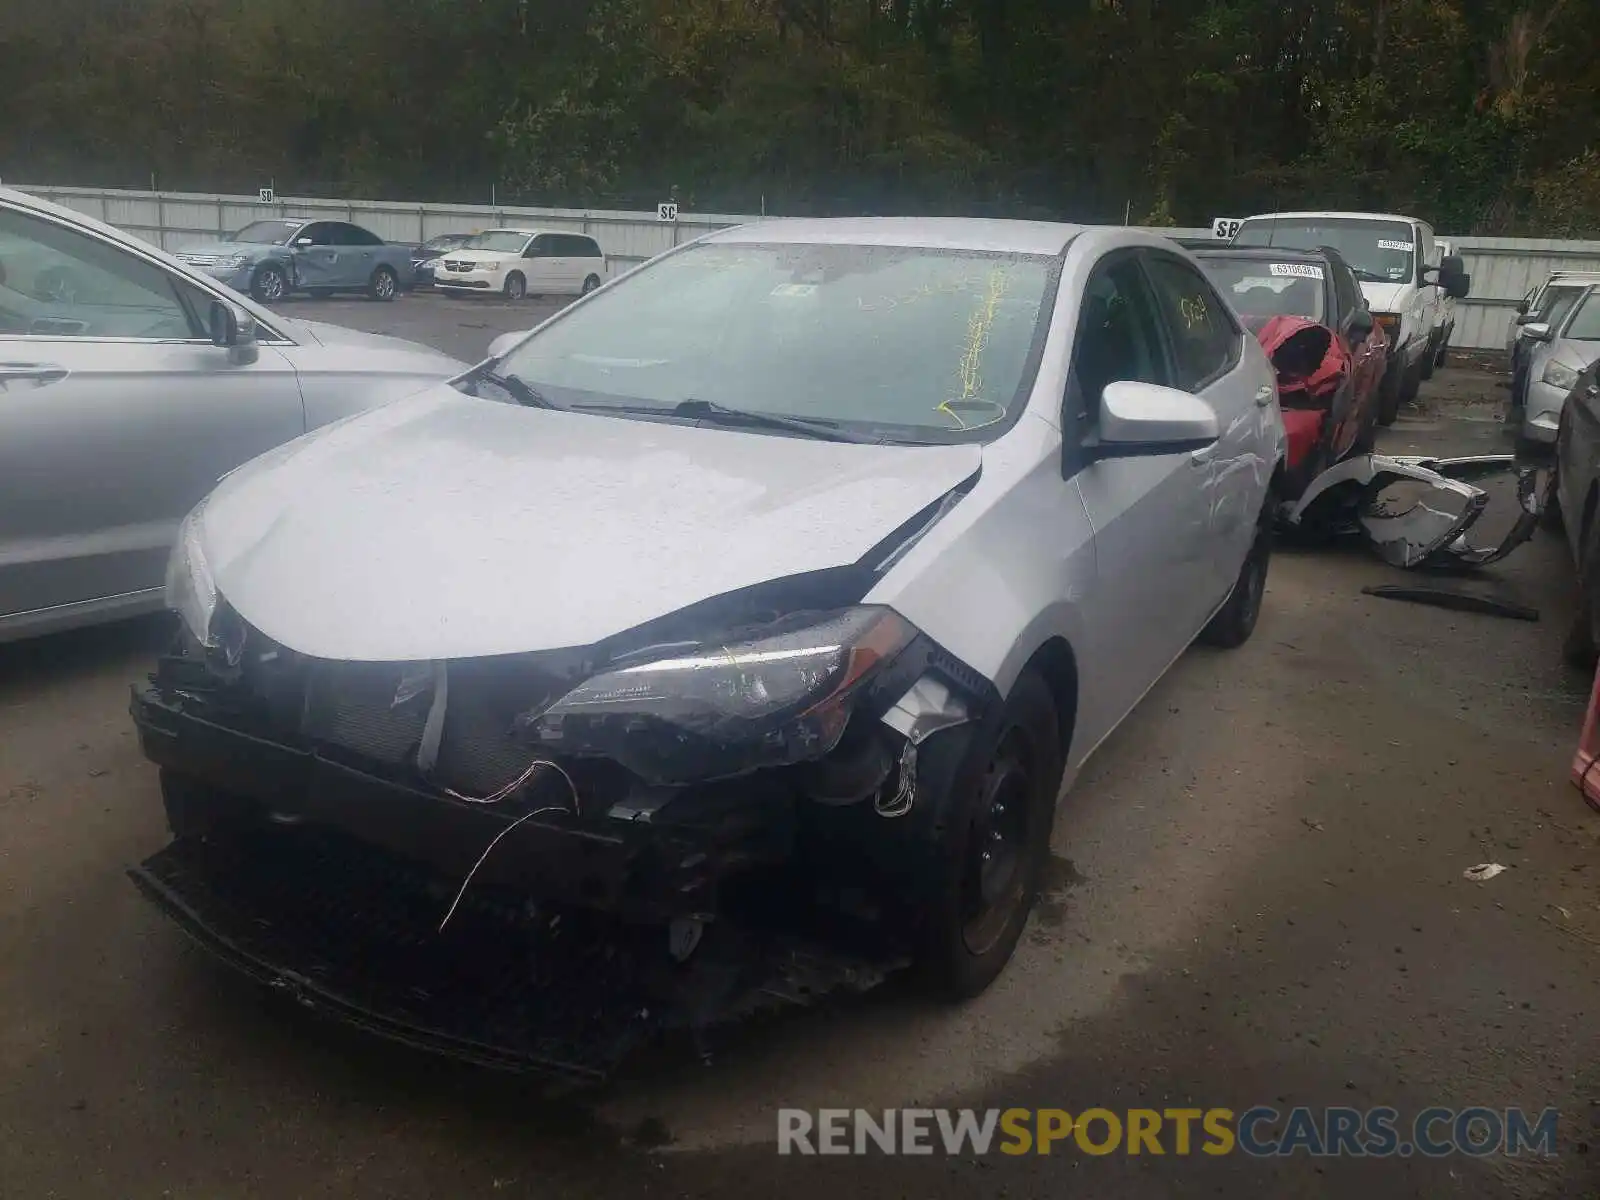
(1479, 114)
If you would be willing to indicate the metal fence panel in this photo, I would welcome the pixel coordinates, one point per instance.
(1503, 269)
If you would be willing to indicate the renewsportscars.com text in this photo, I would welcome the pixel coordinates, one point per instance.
(1259, 1132)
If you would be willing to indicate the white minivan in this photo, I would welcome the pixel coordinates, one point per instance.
(522, 262)
(1391, 257)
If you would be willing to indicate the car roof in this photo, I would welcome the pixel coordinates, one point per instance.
(934, 233)
(1343, 216)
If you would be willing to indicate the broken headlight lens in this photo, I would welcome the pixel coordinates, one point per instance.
(718, 710)
(191, 591)
(1560, 375)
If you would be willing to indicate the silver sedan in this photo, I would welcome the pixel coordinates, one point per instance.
(129, 384)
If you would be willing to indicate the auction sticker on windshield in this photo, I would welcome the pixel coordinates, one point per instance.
(1386, 244)
(1299, 270)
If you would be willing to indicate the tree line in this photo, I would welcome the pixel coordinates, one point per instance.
(1481, 115)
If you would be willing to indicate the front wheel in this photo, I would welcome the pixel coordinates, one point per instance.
(1389, 394)
(270, 284)
(384, 285)
(516, 286)
(1235, 621)
(991, 856)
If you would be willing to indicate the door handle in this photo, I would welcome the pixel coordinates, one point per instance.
(39, 374)
(1263, 396)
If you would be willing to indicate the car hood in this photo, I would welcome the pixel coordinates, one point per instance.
(478, 256)
(1386, 297)
(442, 526)
(220, 247)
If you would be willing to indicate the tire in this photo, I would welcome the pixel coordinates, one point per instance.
(992, 853)
(1411, 382)
(1235, 621)
(516, 286)
(1430, 358)
(269, 284)
(1582, 646)
(384, 284)
(1389, 395)
(1444, 346)
(590, 284)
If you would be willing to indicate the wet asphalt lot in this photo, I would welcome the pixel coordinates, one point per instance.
(1258, 899)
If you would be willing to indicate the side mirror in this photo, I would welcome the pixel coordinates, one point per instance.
(1361, 323)
(233, 330)
(302, 241)
(1451, 275)
(531, 252)
(505, 341)
(1145, 419)
(1538, 331)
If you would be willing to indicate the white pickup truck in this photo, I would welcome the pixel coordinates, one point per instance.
(1391, 256)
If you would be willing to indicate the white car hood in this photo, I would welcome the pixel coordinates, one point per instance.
(1387, 297)
(339, 337)
(443, 526)
(487, 258)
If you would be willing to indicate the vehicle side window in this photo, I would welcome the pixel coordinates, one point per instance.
(586, 247)
(354, 235)
(1117, 340)
(319, 232)
(1347, 290)
(56, 281)
(542, 246)
(1204, 339)
(1556, 304)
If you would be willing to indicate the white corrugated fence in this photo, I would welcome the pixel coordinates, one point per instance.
(1503, 269)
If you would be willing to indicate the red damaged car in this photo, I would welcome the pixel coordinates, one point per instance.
(1306, 310)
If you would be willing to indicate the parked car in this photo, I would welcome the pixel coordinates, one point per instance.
(801, 567)
(272, 258)
(521, 262)
(1572, 502)
(425, 255)
(128, 384)
(1553, 357)
(1545, 306)
(1390, 256)
(1306, 309)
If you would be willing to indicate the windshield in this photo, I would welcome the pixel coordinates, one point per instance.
(267, 233)
(910, 344)
(1260, 288)
(1377, 251)
(510, 241)
(1585, 323)
(445, 241)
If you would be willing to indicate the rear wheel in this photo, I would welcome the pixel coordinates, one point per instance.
(1235, 621)
(992, 854)
(590, 284)
(516, 286)
(384, 284)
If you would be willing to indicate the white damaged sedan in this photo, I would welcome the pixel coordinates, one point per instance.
(782, 584)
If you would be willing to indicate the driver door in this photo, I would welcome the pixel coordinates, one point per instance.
(117, 415)
(1151, 515)
(316, 258)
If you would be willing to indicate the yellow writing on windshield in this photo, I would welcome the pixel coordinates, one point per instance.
(969, 370)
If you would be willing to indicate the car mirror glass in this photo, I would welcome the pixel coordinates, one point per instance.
(1147, 419)
(224, 325)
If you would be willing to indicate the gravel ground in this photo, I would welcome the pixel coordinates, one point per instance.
(1258, 899)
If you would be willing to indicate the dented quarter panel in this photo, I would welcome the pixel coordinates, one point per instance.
(443, 526)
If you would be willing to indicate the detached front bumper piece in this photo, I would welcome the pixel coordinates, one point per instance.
(1415, 512)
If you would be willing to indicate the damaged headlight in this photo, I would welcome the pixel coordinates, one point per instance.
(713, 711)
(1560, 375)
(191, 592)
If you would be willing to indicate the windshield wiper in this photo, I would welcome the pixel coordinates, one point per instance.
(1369, 276)
(523, 391)
(710, 411)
